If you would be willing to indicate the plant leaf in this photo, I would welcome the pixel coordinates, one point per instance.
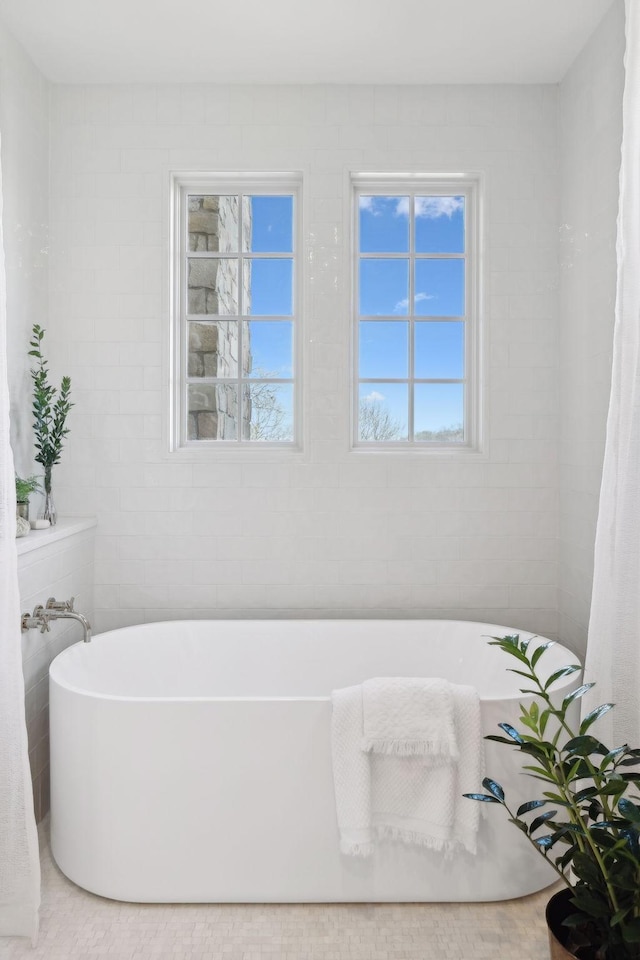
(544, 719)
(629, 810)
(538, 773)
(567, 856)
(576, 694)
(520, 824)
(537, 653)
(563, 672)
(594, 715)
(589, 902)
(522, 673)
(493, 788)
(619, 915)
(544, 842)
(611, 756)
(582, 746)
(480, 796)
(630, 834)
(613, 787)
(542, 819)
(529, 805)
(513, 650)
(529, 722)
(556, 798)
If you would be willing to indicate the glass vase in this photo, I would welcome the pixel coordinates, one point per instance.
(50, 513)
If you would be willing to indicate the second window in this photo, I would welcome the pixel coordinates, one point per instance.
(414, 306)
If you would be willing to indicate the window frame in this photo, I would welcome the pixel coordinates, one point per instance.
(422, 184)
(182, 185)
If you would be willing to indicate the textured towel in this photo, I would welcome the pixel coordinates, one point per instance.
(408, 715)
(415, 798)
(351, 773)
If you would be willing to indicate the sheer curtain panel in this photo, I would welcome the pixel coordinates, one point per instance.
(19, 864)
(613, 649)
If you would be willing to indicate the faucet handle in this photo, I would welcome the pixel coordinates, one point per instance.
(37, 619)
(29, 622)
(63, 605)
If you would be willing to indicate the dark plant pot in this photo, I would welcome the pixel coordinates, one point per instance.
(22, 509)
(558, 908)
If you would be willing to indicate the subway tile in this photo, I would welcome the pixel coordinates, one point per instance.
(333, 528)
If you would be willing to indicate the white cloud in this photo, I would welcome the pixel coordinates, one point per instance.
(434, 207)
(402, 305)
(369, 204)
(373, 397)
(429, 207)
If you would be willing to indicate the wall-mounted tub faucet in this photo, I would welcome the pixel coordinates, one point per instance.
(54, 610)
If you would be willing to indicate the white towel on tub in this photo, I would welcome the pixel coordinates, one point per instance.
(413, 797)
(407, 716)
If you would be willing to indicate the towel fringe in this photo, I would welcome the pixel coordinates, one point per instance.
(443, 752)
(385, 832)
(448, 847)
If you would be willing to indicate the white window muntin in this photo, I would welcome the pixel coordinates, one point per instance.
(410, 186)
(240, 185)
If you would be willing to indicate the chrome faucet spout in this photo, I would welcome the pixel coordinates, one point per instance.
(71, 615)
(54, 610)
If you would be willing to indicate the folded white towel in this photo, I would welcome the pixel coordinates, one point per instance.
(408, 716)
(415, 797)
(351, 773)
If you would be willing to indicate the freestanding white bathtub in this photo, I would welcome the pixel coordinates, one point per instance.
(191, 762)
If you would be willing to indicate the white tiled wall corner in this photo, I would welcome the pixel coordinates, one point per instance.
(61, 569)
(328, 533)
(591, 130)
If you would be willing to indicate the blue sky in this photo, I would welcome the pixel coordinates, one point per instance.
(271, 284)
(439, 291)
(271, 232)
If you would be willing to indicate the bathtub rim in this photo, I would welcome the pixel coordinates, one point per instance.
(55, 665)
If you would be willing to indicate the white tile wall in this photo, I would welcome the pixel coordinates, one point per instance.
(60, 568)
(329, 532)
(326, 533)
(591, 130)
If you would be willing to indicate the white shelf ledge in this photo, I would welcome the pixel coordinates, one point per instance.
(66, 527)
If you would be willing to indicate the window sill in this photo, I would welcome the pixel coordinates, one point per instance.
(235, 453)
(445, 453)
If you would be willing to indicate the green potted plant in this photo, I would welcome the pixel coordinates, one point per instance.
(24, 488)
(50, 410)
(590, 835)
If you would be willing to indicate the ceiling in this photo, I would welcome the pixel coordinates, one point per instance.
(303, 41)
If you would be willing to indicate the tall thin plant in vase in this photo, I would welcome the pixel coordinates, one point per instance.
(50, 410)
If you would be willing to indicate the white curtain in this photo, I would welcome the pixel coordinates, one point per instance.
(613, 649)
(19, 863)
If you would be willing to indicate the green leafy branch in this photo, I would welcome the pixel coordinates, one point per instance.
(598, 830)
(50, 409)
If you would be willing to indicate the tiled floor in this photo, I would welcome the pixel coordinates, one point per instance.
(76, 924)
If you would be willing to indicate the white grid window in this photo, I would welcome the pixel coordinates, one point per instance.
(235, 296)
(415, 313)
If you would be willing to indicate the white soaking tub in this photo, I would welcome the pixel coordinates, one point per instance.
(191, 762)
